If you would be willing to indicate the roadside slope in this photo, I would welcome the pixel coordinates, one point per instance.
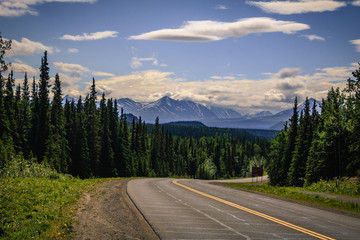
(108, 213)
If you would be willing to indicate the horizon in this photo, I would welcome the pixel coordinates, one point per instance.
(249, 56)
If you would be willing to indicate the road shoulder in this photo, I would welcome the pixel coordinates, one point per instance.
(338, 211)
(108, 213)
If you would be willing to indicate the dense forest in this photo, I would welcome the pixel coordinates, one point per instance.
(88, 138)
(320, 145)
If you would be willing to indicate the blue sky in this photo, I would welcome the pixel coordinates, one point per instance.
(247, 55)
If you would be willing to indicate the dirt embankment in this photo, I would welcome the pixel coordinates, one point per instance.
(108, 213)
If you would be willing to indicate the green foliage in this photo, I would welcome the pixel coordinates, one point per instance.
(297, 193)
(89, 141)
(323, 146)
(18, 167)
(336, 186)
(39, 208)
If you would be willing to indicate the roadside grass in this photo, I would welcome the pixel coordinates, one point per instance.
(38, 207)
(337, 187)
(296, 193)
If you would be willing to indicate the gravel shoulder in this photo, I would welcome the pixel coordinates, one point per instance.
(108, 213)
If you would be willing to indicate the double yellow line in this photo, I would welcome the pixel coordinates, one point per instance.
(304, 230)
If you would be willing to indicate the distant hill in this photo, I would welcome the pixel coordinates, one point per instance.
(271, 122)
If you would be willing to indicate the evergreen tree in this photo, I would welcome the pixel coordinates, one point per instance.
(290, 146)
(302, 148)
(57, 149)
(44, 109)
(106, 152)
(93, 130)
(353, 123)
(34, 119)
(24, 130)
(9, 104)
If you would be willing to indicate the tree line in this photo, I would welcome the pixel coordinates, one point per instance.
(87, 138)
(323, 145)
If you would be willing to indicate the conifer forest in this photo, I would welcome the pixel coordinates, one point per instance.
(91, 137)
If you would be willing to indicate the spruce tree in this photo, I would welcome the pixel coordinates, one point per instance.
(93, 130)
(57, 149)
(353, 123)
(302, 148)
(44, 109)
(290, 146)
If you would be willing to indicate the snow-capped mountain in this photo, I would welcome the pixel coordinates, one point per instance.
(224, 113)
(167, 109)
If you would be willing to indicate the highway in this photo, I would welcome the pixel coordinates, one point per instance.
(195, 209)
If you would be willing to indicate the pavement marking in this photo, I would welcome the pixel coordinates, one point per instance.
(276, 220)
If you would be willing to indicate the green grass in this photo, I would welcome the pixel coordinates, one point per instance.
(296, 194)
(336, 186)
(38, 207)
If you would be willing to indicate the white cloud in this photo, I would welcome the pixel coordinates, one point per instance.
(356, 3)
(20, 67)
(202, 31)
(223, 77)
(28, 48)
(313, 37)
(137, 62)
(16, 8)
(287, 73)
(75, 70)
(275, 92)
(356, 42)
(297, 7)
(103, 74)
(73, 50)
(90, 36)
(221, 7)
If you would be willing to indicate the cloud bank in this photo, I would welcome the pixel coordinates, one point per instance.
(205, 31)
(276, 92)
(297, 7)
(27, 47)
(16, 8)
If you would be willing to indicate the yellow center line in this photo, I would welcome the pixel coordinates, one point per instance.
(304, 230)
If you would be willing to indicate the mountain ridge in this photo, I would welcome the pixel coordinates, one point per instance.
(171, 110)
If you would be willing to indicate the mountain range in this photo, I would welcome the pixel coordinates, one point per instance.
(170, 110)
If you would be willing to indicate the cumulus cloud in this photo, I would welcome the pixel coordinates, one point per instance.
(356, 42)
(275, 92)
(297, 7)
(202, 31)
(90, 36)
(356, 3)
(20, 67)
(287, 72)
(28, 48)
(16, 8)
(313, 37)
(75, 70)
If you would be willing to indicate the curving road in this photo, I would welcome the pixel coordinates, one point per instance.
(195, 209)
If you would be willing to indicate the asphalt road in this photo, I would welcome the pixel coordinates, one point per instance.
(195, 209)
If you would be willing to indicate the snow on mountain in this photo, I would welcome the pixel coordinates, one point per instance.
(224, 113)
(167, 109)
